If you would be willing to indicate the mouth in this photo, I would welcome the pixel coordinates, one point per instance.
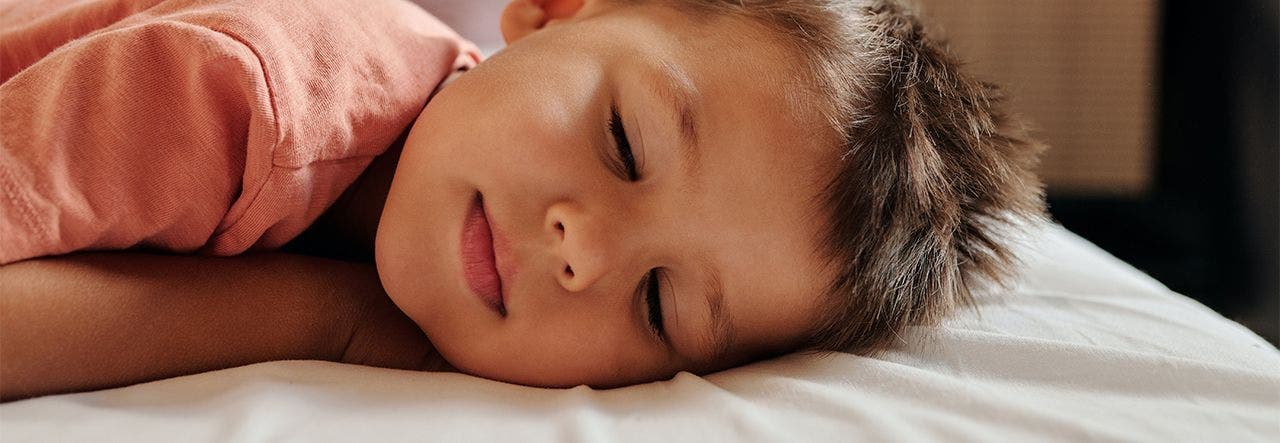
(479, 267)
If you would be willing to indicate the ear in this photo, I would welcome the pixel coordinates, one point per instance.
(524, 17)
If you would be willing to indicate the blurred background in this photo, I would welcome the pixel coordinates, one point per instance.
(1161, 117)
(1162, 123)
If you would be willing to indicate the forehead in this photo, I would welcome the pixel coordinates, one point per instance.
(751, 208)
(721, 49)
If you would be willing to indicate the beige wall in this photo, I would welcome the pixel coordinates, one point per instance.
(1082, 71)
(477, 20)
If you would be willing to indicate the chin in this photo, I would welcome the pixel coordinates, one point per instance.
(487, 362)
(528, 373)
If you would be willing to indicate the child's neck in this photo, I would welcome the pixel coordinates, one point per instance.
(348, 228)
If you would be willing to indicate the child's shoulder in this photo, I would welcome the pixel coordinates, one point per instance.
(210, 125)
(350, 24)
(325, 62)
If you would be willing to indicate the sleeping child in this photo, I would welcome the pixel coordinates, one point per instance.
(630, 189)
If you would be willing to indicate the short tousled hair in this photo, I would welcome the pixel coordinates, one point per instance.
(931, 177)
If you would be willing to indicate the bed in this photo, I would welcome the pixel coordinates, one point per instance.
(1082, 348)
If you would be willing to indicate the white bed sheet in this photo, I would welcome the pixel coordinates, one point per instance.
(1084, 348)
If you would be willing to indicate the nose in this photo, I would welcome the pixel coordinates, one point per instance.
(581, 244)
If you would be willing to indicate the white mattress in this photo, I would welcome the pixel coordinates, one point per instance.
(1084, 348)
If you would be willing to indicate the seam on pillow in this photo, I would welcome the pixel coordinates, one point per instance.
(251, 200)
(14, 199)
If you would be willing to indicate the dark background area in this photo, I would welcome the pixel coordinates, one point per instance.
(1208, 227)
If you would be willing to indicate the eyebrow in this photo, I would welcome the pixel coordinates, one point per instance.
(723, 334)
(674, 85)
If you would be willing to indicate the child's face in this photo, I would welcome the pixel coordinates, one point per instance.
(729, 211)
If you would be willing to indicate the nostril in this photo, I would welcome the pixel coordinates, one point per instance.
(568, 270)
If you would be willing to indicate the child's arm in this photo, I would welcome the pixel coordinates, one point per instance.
(94, 321)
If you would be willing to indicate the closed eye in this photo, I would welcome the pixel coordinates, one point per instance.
(653, 298)
(650, 285)
(625, 155)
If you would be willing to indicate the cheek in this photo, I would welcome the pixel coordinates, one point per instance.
(414, 273)
(521, 117)
(544, 144)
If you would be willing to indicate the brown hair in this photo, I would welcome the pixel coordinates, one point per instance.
(931, 174)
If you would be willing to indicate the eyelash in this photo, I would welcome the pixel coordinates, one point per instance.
(653, 298)
(625, 155)
(652, 289)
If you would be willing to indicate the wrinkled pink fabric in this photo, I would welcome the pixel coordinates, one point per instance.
(209, 126)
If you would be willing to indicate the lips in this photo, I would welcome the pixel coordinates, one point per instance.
(479, 267)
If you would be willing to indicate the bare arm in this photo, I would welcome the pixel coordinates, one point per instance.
(92, 321)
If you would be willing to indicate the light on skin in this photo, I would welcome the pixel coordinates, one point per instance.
(726, 201)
